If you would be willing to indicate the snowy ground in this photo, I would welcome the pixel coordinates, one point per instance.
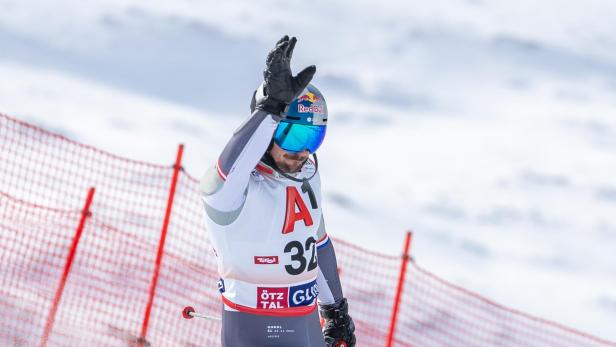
(489, 128)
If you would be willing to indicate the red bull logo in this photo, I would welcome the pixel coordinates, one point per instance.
(309, 97)
(310, 109)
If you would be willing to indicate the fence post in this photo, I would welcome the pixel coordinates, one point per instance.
(394, 314)
(161, 245)
(85, 213)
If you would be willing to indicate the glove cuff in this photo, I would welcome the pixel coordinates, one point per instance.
(272, 106)
(264, 102)
(336, 311)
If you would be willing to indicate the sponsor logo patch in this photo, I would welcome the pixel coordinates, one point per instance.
(310, 109)
(266, 260)
(310, 96)
(303, 295)
(271, 298)
(284, 297)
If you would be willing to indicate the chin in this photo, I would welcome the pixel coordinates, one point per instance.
(295, 169)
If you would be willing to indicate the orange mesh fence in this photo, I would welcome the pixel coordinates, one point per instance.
(369, 282)
(34, 243)
(44, 178)
(438, 313)
(107, 292)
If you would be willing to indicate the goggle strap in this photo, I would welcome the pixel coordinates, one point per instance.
(306, 187)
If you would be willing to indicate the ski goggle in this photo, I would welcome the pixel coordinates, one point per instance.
(297, 137)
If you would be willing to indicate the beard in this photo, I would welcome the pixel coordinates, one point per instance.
(295, 165)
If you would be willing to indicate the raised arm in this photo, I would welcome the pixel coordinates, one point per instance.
(223, 185)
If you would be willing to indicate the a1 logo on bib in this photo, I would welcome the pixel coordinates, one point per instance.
(294, 199)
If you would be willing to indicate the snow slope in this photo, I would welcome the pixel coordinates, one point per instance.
(488, 128)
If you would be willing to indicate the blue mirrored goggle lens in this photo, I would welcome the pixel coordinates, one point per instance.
(298, 137)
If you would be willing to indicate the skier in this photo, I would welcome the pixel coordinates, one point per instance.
(263, 211)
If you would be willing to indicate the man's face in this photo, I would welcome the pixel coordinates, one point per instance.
(287, 161)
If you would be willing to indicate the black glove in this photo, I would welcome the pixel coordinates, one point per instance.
(338, 329)
(280, 87)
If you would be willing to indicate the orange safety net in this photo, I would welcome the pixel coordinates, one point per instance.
(44, 178)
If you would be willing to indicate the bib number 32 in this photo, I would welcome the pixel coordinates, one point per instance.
(299, 263)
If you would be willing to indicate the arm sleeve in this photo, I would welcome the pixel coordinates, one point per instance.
(223, 186)
(328, 280)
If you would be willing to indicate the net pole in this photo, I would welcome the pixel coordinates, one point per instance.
(85, 213)
(161, 244)
(394, 314)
